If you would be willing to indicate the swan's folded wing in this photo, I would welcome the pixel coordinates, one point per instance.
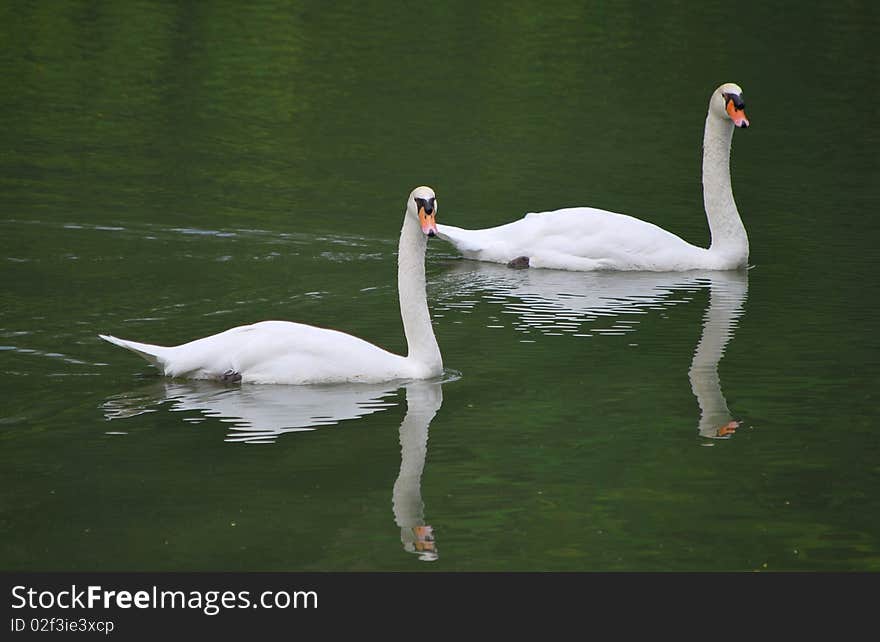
(614, 241)
(286, 352)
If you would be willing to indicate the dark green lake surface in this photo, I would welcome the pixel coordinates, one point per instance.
(170, 171)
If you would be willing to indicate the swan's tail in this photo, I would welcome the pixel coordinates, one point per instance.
(463, 240)
(157, 355)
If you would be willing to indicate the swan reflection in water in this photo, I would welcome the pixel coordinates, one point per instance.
(257, 414)
(423, 400)
(583, 304)
(727, 294)
(260, 413)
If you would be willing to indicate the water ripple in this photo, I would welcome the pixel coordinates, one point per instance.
(51, 355)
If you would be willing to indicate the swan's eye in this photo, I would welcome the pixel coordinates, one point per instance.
(735, 99)
(420, 203)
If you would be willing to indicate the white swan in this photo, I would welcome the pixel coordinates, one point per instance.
(585, 238)
(294, 353)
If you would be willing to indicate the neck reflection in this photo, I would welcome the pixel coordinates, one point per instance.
(727, 295)
(423, 400)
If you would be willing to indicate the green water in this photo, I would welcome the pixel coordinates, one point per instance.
(169, 171)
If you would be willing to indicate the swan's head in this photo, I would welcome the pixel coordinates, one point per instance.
(727, 103)
(422, 204)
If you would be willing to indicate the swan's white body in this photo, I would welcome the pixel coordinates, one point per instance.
(586, 239)
(294, 353)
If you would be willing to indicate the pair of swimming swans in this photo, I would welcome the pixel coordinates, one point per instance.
(573, 239)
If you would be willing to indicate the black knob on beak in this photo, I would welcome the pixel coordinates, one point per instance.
(426, 204)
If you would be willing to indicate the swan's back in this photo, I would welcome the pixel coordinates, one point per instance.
(276, 352)
(578, 238)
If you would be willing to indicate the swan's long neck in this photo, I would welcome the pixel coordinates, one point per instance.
(420, 339)
(728, 233)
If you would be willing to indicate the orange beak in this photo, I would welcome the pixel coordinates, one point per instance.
(429, 225)
(738, 116)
